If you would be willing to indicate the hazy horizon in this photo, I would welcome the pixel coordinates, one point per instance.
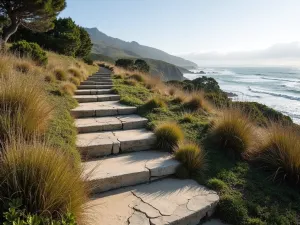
(209, 33)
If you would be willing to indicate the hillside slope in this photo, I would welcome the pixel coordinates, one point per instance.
(114, 47)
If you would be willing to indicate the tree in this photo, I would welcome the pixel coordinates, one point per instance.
(35, 15)
(85, 45)
(127, 64)
(142, 66)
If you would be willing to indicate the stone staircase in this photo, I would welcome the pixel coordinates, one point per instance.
(131, 181)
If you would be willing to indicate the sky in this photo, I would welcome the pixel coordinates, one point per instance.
(205, 31)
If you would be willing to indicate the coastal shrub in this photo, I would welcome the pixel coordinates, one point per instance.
(232, 132)
(75, 81)
(88, 60)
(192, 157)
(50, 78)
(24, 107)
(255, 221)
(154, 103)
(42, 178)
(279, 153)
(231, 209)
(127, 64)
(168, 135)
(23, 67)
(60, 75)
(67, 88)
(32, 50)
(141, 65)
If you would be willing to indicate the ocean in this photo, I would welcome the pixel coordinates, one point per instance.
(278, 88)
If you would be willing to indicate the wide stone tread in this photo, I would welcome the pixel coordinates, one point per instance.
(128, 169)
(93, 91)
(96, 109)
(96, 98)
(96, 82)
(125, 122)
(167, 201)
(91, 86)
(105, 143)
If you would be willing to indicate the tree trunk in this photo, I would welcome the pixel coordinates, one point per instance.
(8, 31)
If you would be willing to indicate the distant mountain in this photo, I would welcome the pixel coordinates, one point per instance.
(117, 48)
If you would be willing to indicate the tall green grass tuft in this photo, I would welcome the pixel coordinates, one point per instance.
(196, 102)
(279, 153)
(192, 157)
(169, 135)
(154, 103)
(24, 107)
(42, 178)
(233, 132)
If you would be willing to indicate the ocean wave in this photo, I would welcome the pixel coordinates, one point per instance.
(274, 94)
(279, 79)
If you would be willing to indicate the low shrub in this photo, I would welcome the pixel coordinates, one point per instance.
(168, 135)
(88, 60)
(231, 209)
(75, 81)
(279, 153)
(217, 185)
(42, 178)
(233, 133)
(50, 78)
(61, 75)
(255, 221)
(32, 50)
(24, 107)
(23, 67)
(154, 103)
(119, 76)
(192, 157)
(67, 88)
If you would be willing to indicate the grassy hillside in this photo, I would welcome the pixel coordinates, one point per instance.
(242, 154)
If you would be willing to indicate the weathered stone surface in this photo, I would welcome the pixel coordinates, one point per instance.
(163, 202)
(127, 169)
(139, 218)
(91, 86)
(85, 125)
(98, 144)
(95, 82)
(93, 92)
(108, 108)
(96, 98)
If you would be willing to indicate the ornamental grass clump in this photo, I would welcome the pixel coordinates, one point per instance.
(169, 136)
(192, 157)
(43, 178)
(130, 82)
(197, 101)
(279, 153)
(68, 88)
(76, 73)
(154, 103)
(24, 107)
(233, 132)
(75, 81)
(137, 77)
(23, 67)
(61, 75)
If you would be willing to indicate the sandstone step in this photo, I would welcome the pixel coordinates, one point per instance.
(96, 82)
(128, 169)
(96, 98)
(93, 91)
(110, 123)
(113, 142)
(93, 109)
(91, 86)
(167, 201)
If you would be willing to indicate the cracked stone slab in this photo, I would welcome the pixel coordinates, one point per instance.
(138, 218)
(109, 108)
(91, 86)
(112, 142)
(127, 169)
(96, 98)
(151, 202)
(93, 92)
(109, 123)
